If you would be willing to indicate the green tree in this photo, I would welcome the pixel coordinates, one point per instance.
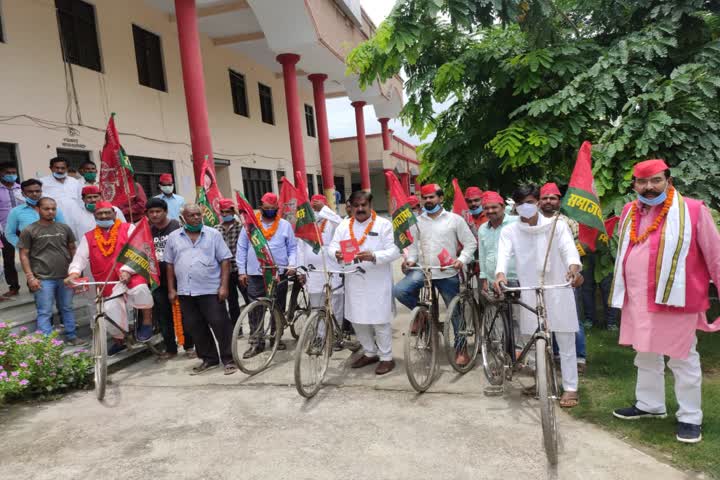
(528, 81)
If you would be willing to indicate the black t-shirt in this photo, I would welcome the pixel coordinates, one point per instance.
(160, 236)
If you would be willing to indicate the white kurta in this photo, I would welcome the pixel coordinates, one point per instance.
(368, 297)
(306, 256)
(528, 245)
(67, 195)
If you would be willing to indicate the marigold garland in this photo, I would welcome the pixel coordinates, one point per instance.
(107, 246)
(268, 234)
(367, 229)
(177, 322)
(322, 227)
(635, 224)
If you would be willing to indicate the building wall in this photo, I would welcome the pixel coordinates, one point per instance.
(35, 82)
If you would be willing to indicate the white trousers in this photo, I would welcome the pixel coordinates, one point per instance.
(650, 388)
(375, 339)
(137, 297)
(568, 360)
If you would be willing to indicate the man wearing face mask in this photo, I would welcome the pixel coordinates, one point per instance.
(88, 173)
(97, 251)
(437, 230)
(489, 238)
(65, 190)
(230, 229)
(527, 242)
(10, 197)
(282, 243)
(668, 250)
(414, 203)
(86, 221)
(473, 198)
(174, 201)
(28, 212)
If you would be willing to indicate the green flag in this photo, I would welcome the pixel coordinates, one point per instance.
(210, 218)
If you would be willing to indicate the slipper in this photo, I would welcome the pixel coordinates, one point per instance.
(530, 391)
(569, 399)
(229, 369)
(203, 367)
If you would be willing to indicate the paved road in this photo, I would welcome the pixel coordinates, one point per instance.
(159, 422)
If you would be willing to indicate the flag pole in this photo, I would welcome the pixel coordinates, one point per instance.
(127, 191)
(547, 251)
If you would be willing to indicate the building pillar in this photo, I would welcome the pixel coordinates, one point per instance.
(326, 166)
(194, 86)
(292, 102)
(362, 146)
(385, 133)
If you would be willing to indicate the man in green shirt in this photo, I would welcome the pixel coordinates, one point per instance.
(489, 236)
(46, 248)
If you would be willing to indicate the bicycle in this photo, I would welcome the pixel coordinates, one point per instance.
(500, 360)
(322, 330)
(263, 319)
(99, 330)
(421, 339)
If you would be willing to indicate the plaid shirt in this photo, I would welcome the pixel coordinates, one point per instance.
(230, 235)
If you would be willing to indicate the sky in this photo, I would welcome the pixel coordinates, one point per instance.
(341, 116)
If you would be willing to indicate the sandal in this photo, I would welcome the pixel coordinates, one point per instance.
(569, 399)
(530, 391)
(229, 369)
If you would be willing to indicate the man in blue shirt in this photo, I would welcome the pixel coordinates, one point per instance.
(281, 239)
(28, 212)
(10, 197)
(198, 272)
(174, 202)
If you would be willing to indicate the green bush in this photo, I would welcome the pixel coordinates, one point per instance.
(33, 365)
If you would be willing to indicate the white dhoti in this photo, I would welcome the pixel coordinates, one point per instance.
(121, 299)
(568, 360)
(376, 339)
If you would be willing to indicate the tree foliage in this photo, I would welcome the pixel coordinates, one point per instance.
(526, 82)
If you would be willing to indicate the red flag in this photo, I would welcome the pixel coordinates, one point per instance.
(256, 238)
(459, 204)
(288, 201)
(209, 184)
(305, 227)
(402, 215)
(139, 254)
(117, 184)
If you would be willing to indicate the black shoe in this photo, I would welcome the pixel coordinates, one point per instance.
(282, 346)
(254, 350)
(203, 367)
(634, 413)
(688, 433)
(338, 345)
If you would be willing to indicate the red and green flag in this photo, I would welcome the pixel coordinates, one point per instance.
(208, 196)
(139, 254)
(581, 202)
(256, 238)
(117, 183)
(295, 208)
(209, 216)
(460, 206)
(402, 215)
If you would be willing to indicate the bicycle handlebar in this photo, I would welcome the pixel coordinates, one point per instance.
(505, 288)
(311, 268)
(83, 284)
(420, 267)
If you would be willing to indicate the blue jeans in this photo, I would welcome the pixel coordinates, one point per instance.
(50, 292)
(588, 295)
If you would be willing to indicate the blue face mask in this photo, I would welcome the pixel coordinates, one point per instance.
(105, 223)
(269, 213)
(9, 178)
(435, 209)
(653, 201)
(59, 176)
(476, 211)
(228, 218)
(30, 201)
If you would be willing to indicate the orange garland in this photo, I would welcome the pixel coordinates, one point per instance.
(107, 247)
(367, 229)
(322, 226)
(177, 323)
(268, 234)
(635, 225)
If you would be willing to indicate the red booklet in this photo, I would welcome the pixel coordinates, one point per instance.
(349, 249)
(81, 288)
(445, 258)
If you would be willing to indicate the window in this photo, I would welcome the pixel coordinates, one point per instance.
(148, 56)
(78, 33)
(340, 187)
(148, 171)
(2, 35)
(266, 104)
(75, 158)
(310, 120)
(239, 95)
(8, 153)
(256, 183)
(310, 185)
(279, 174)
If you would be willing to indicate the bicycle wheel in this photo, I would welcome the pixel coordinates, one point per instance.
(421, 349)
(461, 332)
(312, 353)
(256, 336)
(493, 343)
(100, 356)
(300, 314)
(546, 395)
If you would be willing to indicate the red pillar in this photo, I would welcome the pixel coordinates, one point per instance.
(194, 86)
(362, 146)
(385, 133)
(326, 166)
(292, 102)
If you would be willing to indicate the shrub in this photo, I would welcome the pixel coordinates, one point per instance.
(33, 365)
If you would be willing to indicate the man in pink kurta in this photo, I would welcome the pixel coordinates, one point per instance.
(663, 269)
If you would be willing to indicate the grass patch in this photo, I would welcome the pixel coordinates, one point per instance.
(610, 384)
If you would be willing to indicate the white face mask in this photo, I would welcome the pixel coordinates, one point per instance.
(527, 210)
(166, 189)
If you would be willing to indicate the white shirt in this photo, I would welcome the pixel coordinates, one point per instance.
(306, 256)
(446, 231)
(68, 197)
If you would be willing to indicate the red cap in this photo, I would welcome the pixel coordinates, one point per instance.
(549, 189)
(413, 201)
(103, 204)
(166, 178)
(319, 198)
(269, 198)
(91, 190)
(492, 197)
(648, 168)
(429, 189)
(473, 192)
(226, 204)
